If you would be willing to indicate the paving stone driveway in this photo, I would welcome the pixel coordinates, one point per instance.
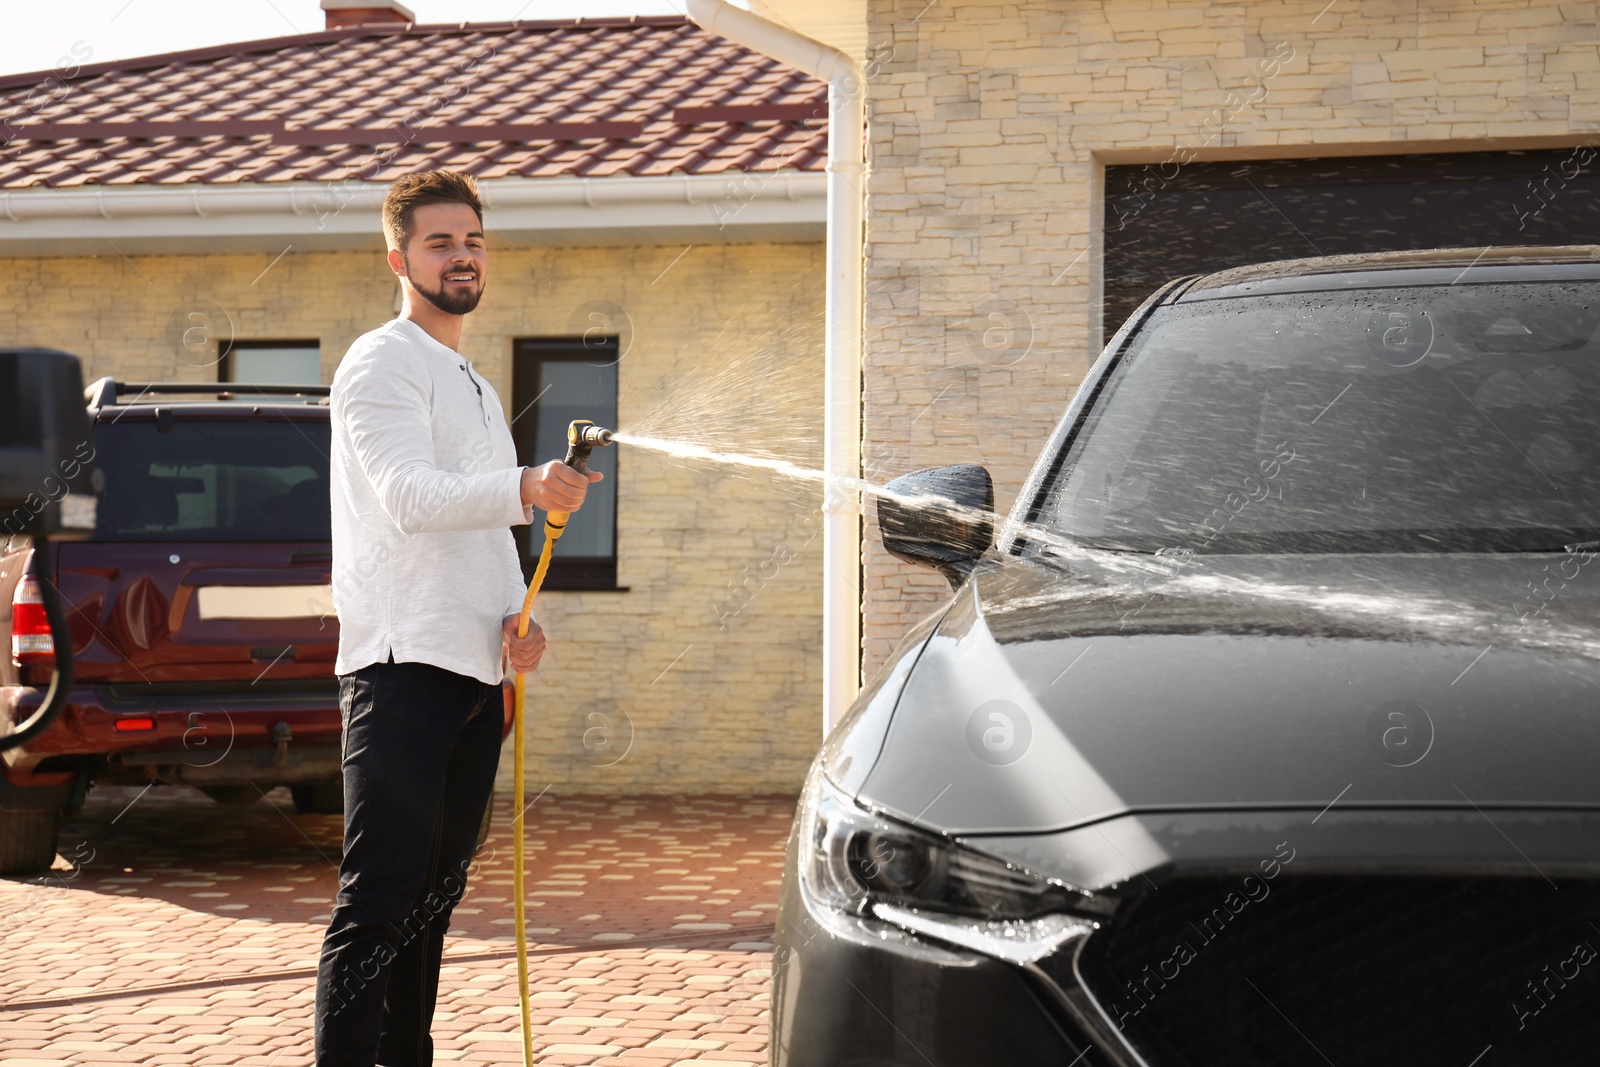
(188, 933)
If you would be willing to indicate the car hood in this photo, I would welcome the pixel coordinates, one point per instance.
(1053, 696)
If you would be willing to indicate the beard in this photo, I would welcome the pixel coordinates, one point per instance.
(450, 301)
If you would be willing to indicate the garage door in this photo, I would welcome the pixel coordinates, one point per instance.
(1166, 221)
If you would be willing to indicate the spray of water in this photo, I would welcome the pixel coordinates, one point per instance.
(743, 385)
(690, 450)
(1125, 574)
(850, 486)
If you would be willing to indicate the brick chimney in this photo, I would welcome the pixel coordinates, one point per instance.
(342, 13)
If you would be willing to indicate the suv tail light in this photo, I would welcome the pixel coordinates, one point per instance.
(30, 628)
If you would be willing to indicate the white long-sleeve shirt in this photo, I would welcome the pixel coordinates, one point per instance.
(425, 487)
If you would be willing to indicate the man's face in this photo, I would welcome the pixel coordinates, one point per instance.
(445, 259)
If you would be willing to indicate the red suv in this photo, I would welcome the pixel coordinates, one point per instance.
(202, 623)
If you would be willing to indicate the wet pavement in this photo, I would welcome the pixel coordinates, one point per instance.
(175, 930)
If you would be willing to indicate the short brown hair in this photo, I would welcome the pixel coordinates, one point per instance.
(412, 191)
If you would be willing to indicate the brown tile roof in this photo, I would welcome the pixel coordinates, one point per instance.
(587, 98)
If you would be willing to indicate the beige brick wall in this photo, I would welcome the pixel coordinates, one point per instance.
(721, 691)
(991, 124)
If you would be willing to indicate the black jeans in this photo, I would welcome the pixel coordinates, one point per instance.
(420, 749)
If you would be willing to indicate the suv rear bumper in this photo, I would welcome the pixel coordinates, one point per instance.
(198, 733)
(203, 734)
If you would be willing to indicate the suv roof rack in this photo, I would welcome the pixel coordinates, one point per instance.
(107, 391)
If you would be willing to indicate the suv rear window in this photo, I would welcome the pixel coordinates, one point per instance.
(213, 481)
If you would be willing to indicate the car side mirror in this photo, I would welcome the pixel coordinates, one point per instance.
(47, 477)
(942, 518)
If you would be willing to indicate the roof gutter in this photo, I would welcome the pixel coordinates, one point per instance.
(841, 541)
(262, 216)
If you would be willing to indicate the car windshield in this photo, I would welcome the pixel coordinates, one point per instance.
(213, 481)
(1460, 418)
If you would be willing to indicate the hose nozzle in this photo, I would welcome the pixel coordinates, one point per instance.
(583, 437)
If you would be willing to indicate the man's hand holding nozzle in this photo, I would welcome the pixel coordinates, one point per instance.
(554, 486)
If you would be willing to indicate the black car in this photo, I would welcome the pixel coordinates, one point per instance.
(1267, 731)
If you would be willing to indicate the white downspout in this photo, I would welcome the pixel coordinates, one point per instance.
(841, 455)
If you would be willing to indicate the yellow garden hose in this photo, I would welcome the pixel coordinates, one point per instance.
(582, 436)
(555, 524)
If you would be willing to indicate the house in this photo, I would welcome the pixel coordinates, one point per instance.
(1038, 167)
(654, 200)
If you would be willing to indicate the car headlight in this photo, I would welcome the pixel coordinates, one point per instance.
(865, 864)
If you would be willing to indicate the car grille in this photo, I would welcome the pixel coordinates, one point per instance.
(1353, 970)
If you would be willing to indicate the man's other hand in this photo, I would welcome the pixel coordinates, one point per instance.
(555, 486)
(524, 652)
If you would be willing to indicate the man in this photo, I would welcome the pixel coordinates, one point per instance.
(427, 587)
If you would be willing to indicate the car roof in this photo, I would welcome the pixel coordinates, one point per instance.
(109, 399)
(1379, 270)
(201, 410)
